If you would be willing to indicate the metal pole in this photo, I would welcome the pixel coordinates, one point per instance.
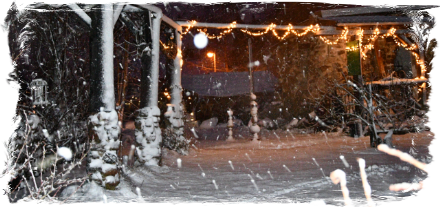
(250, 66)
(215, 66)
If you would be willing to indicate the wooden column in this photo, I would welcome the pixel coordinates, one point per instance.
(101, 59)
(176, 74)
(175, 109)
(103, 128)
(148, 134)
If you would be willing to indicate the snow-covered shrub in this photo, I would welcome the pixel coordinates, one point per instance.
(148, 136)
(103, 161)
(173, 138)
(175, 142)
(38, 167)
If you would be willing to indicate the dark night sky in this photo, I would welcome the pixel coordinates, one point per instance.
(261, 11)
(384, 2)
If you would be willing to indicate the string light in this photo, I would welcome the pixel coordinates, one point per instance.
(270, 27)
(364, 48)
(311, 28)
(342, 37)
(192, 23)
(350, 49)
(164, 45)
(223, 33)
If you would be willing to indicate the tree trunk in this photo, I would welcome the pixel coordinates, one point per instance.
(123, 81)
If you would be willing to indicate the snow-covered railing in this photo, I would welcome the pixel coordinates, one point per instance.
(397, 81)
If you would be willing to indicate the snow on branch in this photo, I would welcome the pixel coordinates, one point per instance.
(428, 184)
(25, 5)
(5, 25)
(81, 13)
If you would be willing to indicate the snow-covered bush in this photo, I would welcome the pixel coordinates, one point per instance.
(148, 136)
(38, 167)
(103, 160)
(173, 138)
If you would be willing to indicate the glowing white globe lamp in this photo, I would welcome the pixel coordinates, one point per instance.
(200, 40)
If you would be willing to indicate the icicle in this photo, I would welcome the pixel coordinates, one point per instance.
(248, 156)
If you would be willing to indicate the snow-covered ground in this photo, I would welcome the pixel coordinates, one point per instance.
(282, 168)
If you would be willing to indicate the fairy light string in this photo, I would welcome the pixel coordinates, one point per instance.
(363, 47)
(192, 23)
(223, 33)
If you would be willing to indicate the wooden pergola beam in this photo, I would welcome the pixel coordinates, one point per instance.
(324, 30)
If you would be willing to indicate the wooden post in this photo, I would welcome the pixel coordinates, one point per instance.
(148, 133)
(173, 71)
(103, 128)
(379, 59)
(176, 85)
(101, 59)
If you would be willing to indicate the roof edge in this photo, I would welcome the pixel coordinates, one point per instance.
(379, 9)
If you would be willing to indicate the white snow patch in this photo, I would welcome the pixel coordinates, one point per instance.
(65, 152)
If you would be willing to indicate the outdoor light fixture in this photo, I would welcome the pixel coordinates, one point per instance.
(211, 54)
(200, 40)
(39, 92)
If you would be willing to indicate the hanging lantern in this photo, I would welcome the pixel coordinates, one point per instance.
(39, 92)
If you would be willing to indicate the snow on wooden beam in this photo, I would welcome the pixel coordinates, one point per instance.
(117, 12)
(369, 10)
(397, 81)
(152, 8)
(355, 24)
(172, 23)
(324, 30)
(354, 32)
(81, 13)
(242, 26)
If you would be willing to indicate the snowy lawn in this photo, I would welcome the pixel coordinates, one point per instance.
(282, 168)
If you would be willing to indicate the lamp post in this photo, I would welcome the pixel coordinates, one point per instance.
(211, 54)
